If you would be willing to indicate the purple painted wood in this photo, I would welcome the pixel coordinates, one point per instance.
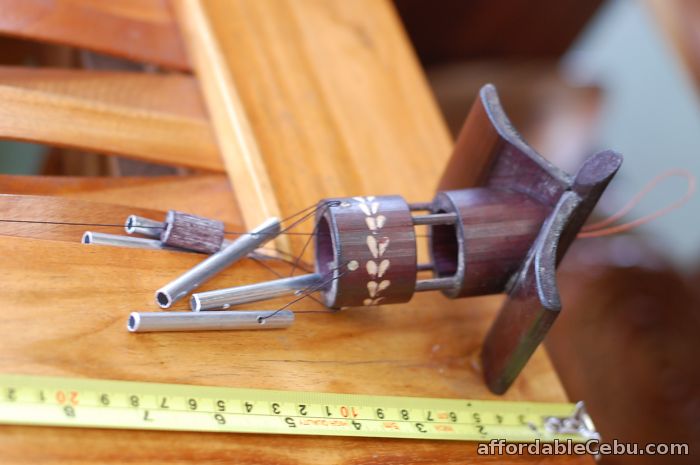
(369, 245)
(192, 232)
(490, 241)
(517, 215)
(533, 301)
(489, 152)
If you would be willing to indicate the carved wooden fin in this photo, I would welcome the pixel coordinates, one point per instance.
(491, 153)
(533, 298)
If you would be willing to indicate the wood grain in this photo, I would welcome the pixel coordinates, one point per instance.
(238, 145)
(60, 185)
(173, 93)
(205, 195)
(425, 348)
(141, 30)
(104, 112)
(335, 98)
(18, 211)
(192, 232)
(369, 246)
(496, 230)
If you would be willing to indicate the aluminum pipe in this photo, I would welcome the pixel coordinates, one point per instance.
(145, 226)
(215, 263)
(144, 322)
(222, 299)
(117, 240)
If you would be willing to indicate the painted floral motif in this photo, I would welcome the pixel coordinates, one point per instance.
(377, 246)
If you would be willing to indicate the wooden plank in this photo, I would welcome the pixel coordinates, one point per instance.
(335, 98)
(156, 118)
(205, 195)
(174, 93)
(28, 208)
(141, 30)
(239, 148)
(18, 211)
(64, 324)
(58, 185)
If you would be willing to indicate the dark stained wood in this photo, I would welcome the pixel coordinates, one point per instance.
(531, 307)
(455, 30)
(141, 30)
(495, 230)
(369, 245)
(502, 160)
(476, 146)
(192, 232)
(533, 298)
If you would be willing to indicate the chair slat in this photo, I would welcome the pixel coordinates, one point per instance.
(141, 30)
(156, 118)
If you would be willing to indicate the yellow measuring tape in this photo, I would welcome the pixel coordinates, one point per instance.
(76, 402)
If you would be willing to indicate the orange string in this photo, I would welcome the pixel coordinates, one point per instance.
(600, 228)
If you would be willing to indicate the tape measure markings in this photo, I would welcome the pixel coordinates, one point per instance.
(76, 402)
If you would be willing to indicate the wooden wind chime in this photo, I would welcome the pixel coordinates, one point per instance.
(508, 234)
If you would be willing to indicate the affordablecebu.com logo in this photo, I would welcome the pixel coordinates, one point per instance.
(569, 447)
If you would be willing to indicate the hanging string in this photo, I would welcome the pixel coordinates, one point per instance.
(602, 228)
(597, 229)
(306, 292)
(277, 273)
(67, 223)
(286, 231)
(313, 233)
(291, 260)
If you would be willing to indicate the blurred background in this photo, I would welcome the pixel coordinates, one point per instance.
(575, 76)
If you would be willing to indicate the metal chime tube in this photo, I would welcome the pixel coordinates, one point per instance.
(225, 298)
(116, 240)
(142, 322)
(434, 219)
(435, 284)
(180, 287)
(144, 226)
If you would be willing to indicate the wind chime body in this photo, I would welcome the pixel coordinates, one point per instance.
(501, 221)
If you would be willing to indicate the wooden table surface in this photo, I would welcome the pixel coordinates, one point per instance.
(65, 308)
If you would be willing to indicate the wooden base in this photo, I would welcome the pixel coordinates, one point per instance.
(65, 312)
